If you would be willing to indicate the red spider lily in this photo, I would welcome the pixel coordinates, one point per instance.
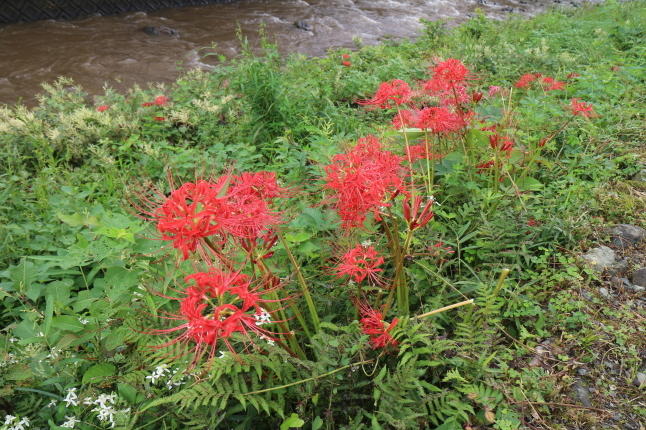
(102, 108)
(161, 100)
(477, 96)
(482, 167)
(549, 84)
(160, 118)
(525, 80)
(345, 56)
(438, 246)
(501, 143)
(193, 211)
(448, 74)
(360, 263)
(221, 307)
(579, 108)
(405, 118)
(363, 180)
(494, 90)
(373, 324)
(346, 63)
(148, 104)
(412, 214)
(438, 120)
(573, 75)
(390, 94)
(421, 152)
(260, 184)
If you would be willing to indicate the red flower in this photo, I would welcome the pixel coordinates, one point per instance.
(421, 152)
(477, 96)
(345, 56)
(347, 63)
(102, 108)
(363, 180)
(525, 80)
(161, 101)
(450, 73)
(389, 94)
(373, 324)
(219, 306)
(193, 211)
(549, 84)
(481, 167)
(260, 184)
(580, 108)
(147, 104)
(615, 68)
(160, 118)
(438, 120)
(494, 90)
(412, 214)
(573, 75)
(360, 263)
(501, 143)
(405, 118)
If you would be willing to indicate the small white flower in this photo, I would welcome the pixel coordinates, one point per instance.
(223, 354)
(52, 404)
(70, 423)
(40, 334)
(158, 373)
(263, 318)
(366, 243)
(83, 321)
(13, 339)
(9, 419)
(71, 398)
(53, 355)
(24, 422)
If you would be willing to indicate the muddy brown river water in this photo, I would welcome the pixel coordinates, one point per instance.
(113, 50)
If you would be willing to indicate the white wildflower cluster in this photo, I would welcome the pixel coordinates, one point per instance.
(12, 423)
(9, 360)
(366, 243)
(83, 321)
(104, 407)
(169, 377)
(263, 317)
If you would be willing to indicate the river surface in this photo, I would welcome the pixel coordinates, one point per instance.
(113, 50)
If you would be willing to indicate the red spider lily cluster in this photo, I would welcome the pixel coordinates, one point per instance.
(219, 305)
(363, 180)
(209, 215)
(229, 206)
(102, 108)
(361, 262)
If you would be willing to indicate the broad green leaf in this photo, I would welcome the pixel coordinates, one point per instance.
(98, 371)
(128, 393)
(292, 422)
(49, 313)
(317, 423)
(67, 323)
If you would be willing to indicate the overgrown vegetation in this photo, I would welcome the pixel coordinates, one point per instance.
(535, 157)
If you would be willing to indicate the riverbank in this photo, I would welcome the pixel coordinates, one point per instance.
(530, 137)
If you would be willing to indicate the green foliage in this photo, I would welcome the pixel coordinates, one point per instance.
(81, 288)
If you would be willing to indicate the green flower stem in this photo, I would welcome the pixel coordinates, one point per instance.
(301, 280)
(446, 308)
(313, 378)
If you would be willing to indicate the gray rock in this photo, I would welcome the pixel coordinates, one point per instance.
(303, 25)
(604, 258)
(640, 379)
(625, 235)
(639, 277)
(581, 393)
(155, 30)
